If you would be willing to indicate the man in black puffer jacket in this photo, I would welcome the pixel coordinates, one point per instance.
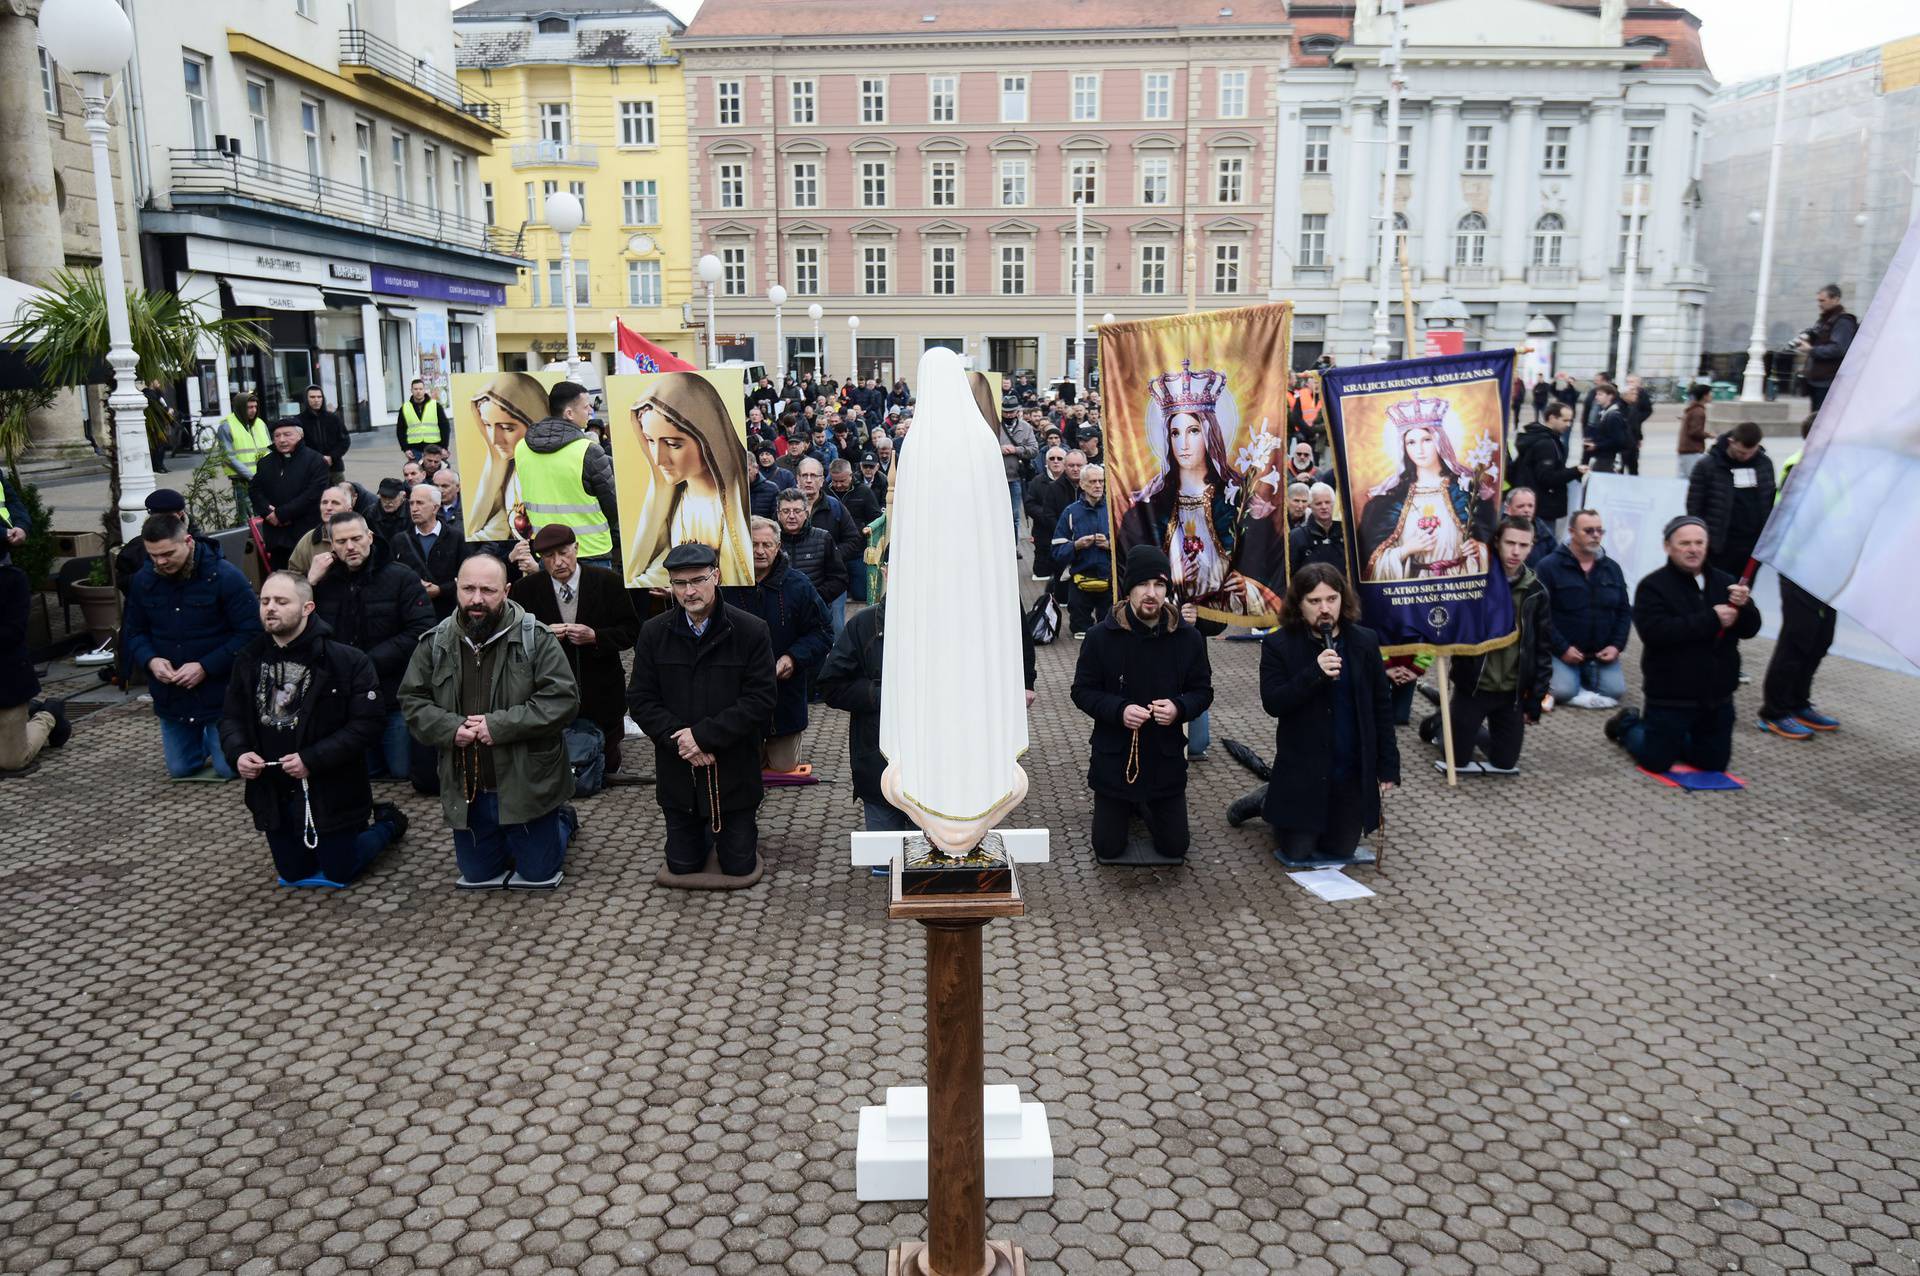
(325, 432)
(1540, 462)
(810, 551)
(302, 710)
(381, 609)
(1731, 492)
(1506, 687)
(1690, 616)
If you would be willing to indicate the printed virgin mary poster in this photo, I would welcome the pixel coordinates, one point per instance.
(680, 469)
(1419, 446)
(1196, 425)
(492, 412)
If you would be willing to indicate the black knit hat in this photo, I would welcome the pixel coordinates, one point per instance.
(1145, 563)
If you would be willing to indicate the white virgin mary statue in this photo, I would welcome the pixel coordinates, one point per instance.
(953, 719)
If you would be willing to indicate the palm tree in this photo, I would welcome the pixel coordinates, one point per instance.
(65, 332)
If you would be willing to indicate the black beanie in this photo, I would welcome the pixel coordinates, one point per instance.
(1145, 563)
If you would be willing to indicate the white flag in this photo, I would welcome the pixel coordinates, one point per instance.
(1846, 527)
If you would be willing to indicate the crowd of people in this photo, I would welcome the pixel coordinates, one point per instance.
(510, 677)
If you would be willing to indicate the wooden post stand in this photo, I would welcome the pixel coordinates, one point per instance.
(957, 1242)
(1441, 665)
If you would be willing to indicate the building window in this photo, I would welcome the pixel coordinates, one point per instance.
(556, 123)
(554, 26)
(303, 7)
(1233, 95)
(555, 296)
(1083, 180)
(874, 260)
(486, 202)
(535, 213)
(637, 124)
(1479, 148)
(579, 191)
(1226, 268)
(1470, 241)
(733, 186)
(430, 175)
(1319, 147)
(1153, 269)
(1013, 99)
(1156, 96)
(640, 202)
(193, 69)
(1013, 270)
(1230, 175)
(1630, 227)
(397, 149)
(643, 283)
(1403, 162)
(733, 272)
(801, 96)
(873, 101)
(806, 184)
(1313, 239)
(1087, 262)
(49, 85)
(943, 177)
(1639, 151)
(533, 286)
(310, 135)
(582, 280)
(1399, 241)
(1013, 183)
(258, 118)
(1156, 176)
(873, 183)
(460, 187)
(1549, 239)
(363, 156)
(1559, 140)
(726, 101)
(806, 272)
(944, 270)
(943, 99)
(1086, 98)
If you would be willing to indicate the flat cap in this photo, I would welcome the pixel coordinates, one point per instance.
(164, 500)
(691, 554)
(552, 536)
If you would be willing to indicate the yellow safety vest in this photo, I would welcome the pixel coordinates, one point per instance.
(422, 429)
(249, 445)
(1786, 472)
(552, 492)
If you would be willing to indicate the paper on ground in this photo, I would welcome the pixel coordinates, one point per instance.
(1331, 883)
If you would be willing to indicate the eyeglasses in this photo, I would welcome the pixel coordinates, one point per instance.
(691, 581)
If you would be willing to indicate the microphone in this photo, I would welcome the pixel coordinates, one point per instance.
(1326, 635)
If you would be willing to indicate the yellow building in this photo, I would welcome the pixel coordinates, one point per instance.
(592, 101)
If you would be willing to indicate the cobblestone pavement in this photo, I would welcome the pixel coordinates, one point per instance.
(1588, 1025)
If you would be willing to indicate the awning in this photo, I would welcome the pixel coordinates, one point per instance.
(274, 296)
(13, 296)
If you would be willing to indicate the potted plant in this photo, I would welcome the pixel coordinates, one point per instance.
(99, 601)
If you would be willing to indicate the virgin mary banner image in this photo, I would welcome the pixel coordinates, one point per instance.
(1196, 412)
(680, 467)
(1418, 450)
(492, 412)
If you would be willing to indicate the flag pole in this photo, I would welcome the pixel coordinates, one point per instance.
(1440, 668)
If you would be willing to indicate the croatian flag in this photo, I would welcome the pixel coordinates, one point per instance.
(1845, 526)
(634, 353)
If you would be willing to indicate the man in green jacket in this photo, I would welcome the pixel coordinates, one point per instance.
(490, 688)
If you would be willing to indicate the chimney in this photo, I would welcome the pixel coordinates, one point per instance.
(1613, 14)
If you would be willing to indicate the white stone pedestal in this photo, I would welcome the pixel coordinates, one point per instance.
(890, 1163)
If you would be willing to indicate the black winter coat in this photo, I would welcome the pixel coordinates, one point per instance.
(1608, 435)
(605, 607)
(1715, 499)
(1536, 653)
(1540, 462)
(441, 565)
(831, 516)
(815, 556)
(863, 506)
(720, 684)
(1684, 658)
(1125, 662)
(797, 626)
(1047, 498)
(1590, 610)
(381, 610)
(289, 485)
(326, 434)
(340, 720)
(1307, 543)
(850, 682)
(18, 683)
(1300, 697)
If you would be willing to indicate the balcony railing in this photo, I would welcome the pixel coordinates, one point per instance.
(361, 48)
(573, 154)
(1553, 276)
(197, 174)
(1473, 275)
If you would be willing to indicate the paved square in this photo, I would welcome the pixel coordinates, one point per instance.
(1589, 1025)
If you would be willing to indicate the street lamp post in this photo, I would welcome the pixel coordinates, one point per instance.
(710, 275)
(853, 340)
(564, 214)
(814, 311)
(1752, 389)
(93, 40)
(778, 296)
(1079, 294)
(1390, 154)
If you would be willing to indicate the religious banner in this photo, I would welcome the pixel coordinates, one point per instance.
(1196, 426)
(680, 468)
(492, 412)
(1418, 449)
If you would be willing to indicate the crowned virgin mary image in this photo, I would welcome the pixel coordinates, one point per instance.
(1435, 516)
(1191, 509)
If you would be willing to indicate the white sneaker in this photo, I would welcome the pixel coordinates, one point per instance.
(1602, 702)
(1584, 699)
(632, 728)
(101, 655)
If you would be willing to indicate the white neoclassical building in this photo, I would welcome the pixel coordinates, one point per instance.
(1528, 130)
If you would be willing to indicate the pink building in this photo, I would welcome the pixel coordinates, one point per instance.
(917, 166)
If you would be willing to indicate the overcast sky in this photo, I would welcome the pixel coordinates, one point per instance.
(1743, 37)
